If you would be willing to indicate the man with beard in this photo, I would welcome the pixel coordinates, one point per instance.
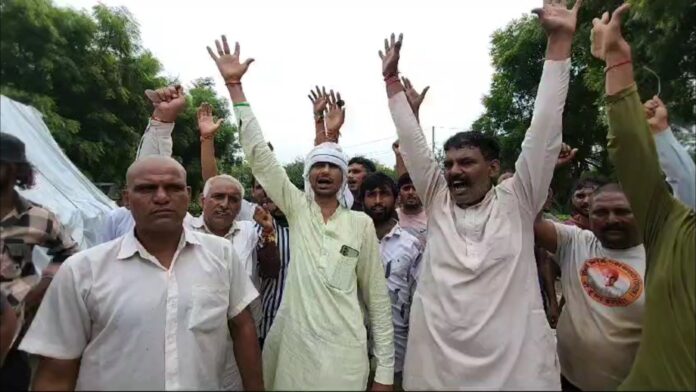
(151, 310)
(401, 255)
(318, 338)
(476, 315)
(411, 215)
(665, 359)
(358, 169)
(599, 329)
(580, 200)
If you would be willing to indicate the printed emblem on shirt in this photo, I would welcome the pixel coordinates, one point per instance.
(610, 282)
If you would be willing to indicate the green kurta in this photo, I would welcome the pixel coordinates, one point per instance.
(318, 338)
(666, 358)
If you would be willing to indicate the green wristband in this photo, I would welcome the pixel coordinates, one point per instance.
(241, 104)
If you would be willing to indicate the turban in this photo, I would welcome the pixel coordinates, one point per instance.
(329, 153)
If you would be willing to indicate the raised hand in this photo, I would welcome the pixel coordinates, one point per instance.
(228, 64)
(556, 18)
(395, 148)
(319, 100)
(390, 57)
(263, 218)
(657, 115)
(168, 102)
(335, 116)
(566, 155)
(414, 98)
(206, 122)
(608, 43)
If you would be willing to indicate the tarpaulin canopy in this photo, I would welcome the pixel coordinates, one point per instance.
(60, 186)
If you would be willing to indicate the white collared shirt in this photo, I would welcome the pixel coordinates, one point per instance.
(401, 255)
(137, 325)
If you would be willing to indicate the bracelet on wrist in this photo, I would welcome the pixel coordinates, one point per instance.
(391, 80)
(208, 137)
(160, 120)
(233, 82)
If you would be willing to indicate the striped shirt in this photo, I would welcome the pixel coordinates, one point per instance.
(272, 289)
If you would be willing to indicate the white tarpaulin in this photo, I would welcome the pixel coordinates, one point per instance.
(60, 186)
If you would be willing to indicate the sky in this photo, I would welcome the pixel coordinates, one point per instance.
(299, 44)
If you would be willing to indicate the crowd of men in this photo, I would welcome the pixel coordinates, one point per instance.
(442, 279)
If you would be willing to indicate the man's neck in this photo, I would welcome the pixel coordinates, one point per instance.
(7, 202)
(221, 232)
(412, 210)
(327, 204)
(160, 244)
(383, 228)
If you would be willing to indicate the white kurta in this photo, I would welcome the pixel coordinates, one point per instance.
(477, 321)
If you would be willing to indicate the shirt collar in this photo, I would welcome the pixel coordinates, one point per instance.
(394, 232)
(130, 245)
(199, 223)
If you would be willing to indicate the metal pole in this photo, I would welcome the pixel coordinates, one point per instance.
(433, 139)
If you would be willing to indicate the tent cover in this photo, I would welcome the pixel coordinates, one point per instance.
(60, 186)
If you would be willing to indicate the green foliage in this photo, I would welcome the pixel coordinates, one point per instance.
(663, 37)
(87, 74)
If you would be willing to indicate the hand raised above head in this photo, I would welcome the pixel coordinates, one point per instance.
(608, 43)
(556, 18)
(566, 155)
(228, 63)
(414, 98)
(319, 100)
(656, 114)
(168, 102)
(390, 57)
(206, 122)
(335, 117)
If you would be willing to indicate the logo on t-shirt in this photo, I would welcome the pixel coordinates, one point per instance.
(610, 282)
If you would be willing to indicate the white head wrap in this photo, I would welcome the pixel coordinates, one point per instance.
(331, 153)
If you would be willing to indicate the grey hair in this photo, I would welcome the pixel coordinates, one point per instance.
(234, 181)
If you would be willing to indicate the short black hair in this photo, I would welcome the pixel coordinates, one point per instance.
(366, 163)
(590, 181)
(487, 144)
(378, 180)
(404, 179)
(25, 175)
(608, 187)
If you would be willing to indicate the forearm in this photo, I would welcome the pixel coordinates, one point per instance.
(56, 375)
(400, 166)
(418, 157)
(248, 355)
(208, 164)
(632, 151)
(548, 278)
(269, 260)
(678, 166)
(156, 140)
(319, 131)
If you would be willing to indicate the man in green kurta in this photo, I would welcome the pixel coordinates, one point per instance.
(666, 359)
(318, 339)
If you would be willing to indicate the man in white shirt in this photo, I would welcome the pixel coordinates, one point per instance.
(401, 254)
(602, 273)
(152, 310)
(476, 316)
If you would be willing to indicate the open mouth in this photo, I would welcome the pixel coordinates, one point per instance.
(459, 186)
(324, 181)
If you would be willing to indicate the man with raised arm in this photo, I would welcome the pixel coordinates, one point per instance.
(665, 358)
(477, 321)
(602, 275)
(675, 161)
(318, 338)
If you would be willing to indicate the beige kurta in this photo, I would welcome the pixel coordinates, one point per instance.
(477, 321)
(318, 338)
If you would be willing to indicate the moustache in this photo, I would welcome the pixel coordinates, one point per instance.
(616, 227)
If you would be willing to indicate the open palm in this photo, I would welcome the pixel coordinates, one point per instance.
(228, 63)
(555, 17)
(206, 122)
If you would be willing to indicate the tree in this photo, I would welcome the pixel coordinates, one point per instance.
(87, 74)
(663, 37)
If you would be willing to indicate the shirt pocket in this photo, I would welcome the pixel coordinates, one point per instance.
(342, 275)
(209, 308)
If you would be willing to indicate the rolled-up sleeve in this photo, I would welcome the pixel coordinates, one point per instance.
(62, 325)
(156, 140)
(375, 295)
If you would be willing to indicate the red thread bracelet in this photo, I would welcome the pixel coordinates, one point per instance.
(617, 65)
